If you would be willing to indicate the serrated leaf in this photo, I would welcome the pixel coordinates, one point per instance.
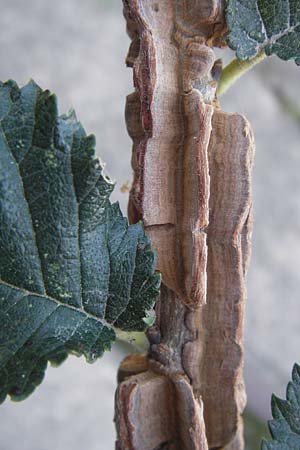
(285, 426)
(71, 270)
(264, 25)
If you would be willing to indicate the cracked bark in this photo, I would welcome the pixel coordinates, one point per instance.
(192, 188)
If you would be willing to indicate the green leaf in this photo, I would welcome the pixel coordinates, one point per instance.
(272, 26)
(285, 428)
(71, 270)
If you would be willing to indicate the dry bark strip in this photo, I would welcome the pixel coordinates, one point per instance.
(218, 378)
(192, 171)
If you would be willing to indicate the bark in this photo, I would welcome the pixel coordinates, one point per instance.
(192, 188)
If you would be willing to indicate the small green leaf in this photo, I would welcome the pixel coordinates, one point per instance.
(264, 25)
(285, 428)
(71, 269)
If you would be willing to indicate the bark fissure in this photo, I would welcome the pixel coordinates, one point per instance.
(191, 165)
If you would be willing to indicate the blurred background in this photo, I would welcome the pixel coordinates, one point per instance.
(77, 50)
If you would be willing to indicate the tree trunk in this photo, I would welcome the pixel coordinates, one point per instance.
(192, 188)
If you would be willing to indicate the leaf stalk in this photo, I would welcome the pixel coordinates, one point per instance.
(234, 70)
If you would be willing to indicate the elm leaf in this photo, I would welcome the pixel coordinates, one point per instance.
(264, 25)
(71, 269)
(285, 426)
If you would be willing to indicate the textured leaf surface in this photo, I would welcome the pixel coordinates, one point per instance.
(71, 270)
(285, 428)
(269, 25)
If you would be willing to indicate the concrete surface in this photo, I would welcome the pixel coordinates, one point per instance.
(77, 49)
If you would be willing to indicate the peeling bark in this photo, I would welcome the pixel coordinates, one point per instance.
(158, 412)
(170, 188)
(192, 171)
(219, 378)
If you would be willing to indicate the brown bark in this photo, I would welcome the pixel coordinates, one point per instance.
(158, 412)
(192, 189)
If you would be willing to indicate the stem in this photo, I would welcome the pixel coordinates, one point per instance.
(190, 192)
(234, 70)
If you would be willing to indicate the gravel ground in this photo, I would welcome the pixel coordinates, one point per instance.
(77, 49)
